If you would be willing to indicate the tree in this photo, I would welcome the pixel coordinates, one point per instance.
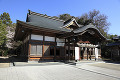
(10, 35)
(3, 33)
(65, 17)
(5, 21)
(94, 17)
(5, 17)
(97, 19)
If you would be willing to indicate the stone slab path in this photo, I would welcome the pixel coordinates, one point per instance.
(52, 72)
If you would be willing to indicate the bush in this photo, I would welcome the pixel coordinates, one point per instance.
(5, 53)
(0, 53)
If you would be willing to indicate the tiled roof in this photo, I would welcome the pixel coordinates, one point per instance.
(47, 25)
(43, 21)
(113, 44)
(45, 16)
(118, 37)
(90, 26)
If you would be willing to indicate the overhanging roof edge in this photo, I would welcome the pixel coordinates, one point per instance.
(88, 27)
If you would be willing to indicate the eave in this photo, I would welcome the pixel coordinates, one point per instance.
(25, 26)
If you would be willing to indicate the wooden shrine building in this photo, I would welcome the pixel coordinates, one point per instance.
(114, 48)
(45, 37)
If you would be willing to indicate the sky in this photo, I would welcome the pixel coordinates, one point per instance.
(18, 9)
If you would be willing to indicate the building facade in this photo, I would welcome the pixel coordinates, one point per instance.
(114, 48)
(47, 38)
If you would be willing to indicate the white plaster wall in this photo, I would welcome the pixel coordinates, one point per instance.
(36, 37)
(48, 38)
(60, 40)
(60, 44)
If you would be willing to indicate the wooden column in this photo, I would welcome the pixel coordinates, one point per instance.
(29, 46)
(29, 51)
(65, 50)
(55, 50)
(43, 46)
(94, 52)
(79, 53)
(87, 52)
(90, 53)
(100, 50)
(68, 48)
(23, 49)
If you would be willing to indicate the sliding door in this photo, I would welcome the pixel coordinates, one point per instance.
(36, 50)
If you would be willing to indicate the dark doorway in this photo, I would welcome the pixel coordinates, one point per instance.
(51, 50)
(58, 51)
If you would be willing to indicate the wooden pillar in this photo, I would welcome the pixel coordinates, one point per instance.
(23, 49)
(73, 51)
(29, 51)
(90, 53)
(111, 54)
(94, 52)
(100, 50)
(68, 48)
(87, 52)
(55, 50)
(29, 46)
(65, 50)
(79, 53)
(43, 46)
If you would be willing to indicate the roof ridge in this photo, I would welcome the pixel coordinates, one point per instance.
(42, 15)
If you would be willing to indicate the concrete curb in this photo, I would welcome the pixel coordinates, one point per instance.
(36, 64)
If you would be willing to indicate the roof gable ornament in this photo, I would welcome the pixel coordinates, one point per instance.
(71, 24)
(29, 12)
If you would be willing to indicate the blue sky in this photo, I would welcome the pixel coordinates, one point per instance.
(18, 9)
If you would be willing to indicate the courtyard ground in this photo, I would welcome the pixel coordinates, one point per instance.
(60, 71)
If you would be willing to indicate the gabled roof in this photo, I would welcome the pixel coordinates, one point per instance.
(116, 38)
(90, 26)
(70, 22)
(45, 22)
(114, 44)
(40, 15)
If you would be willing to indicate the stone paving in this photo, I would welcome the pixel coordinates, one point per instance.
(3, 65)
(56, 72)
(103, 69)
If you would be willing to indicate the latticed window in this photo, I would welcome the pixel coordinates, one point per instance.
(36, 50)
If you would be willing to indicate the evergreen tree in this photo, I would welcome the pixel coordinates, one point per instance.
(5, 21)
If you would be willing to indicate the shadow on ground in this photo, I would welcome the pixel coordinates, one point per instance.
(112, 61)
(11, 59)
(18, 61)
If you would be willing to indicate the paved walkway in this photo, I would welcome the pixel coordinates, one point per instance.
(107, 69)
(4, 65)
(56, 72)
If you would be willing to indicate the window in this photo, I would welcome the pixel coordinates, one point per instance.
(36, 50)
